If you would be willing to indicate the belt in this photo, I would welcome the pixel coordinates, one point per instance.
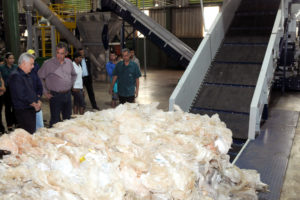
(22, 109)
(60, 92)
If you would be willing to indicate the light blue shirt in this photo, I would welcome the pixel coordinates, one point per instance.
(84, 68)
(110, 66)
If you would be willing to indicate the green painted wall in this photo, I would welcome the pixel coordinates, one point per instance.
(11, 25)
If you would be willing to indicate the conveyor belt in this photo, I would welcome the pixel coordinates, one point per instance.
(269, 152)
(230, 83)
(151, 29)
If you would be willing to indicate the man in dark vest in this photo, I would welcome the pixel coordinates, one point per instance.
(87, 78)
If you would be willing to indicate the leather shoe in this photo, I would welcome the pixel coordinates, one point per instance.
(96, 108)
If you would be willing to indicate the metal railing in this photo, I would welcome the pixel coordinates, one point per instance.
(190, 82)
(67, 15)
(143, 3)
(264, 82)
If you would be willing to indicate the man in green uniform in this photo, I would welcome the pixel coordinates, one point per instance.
(127, 73)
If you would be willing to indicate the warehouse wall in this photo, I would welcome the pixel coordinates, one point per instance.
(157, 58)
(185, 23)
(182, 22)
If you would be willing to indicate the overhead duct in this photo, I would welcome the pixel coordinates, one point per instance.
(28, 6)
(91, 27)
(43, 10)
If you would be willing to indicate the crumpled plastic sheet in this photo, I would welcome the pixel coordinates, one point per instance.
(130, 152)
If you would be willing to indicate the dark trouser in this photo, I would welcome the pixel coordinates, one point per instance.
(126, 99)
(88, 83)
(60, 103)
(78, 98)
(9, 111)
(26, 119)
(2, 129)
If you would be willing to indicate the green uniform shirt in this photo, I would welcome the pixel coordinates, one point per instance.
(6, 71)
(127, 76)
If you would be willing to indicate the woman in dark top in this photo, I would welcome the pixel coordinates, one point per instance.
(6, 70)
(2, 91)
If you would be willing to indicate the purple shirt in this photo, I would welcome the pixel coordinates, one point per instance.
(57, 77)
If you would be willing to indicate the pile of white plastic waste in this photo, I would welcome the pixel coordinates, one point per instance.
(131, 152)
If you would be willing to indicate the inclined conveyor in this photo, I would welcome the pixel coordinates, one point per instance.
(231, 80)
(164, 39)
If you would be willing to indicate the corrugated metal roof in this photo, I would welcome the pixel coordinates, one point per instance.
(81, 6)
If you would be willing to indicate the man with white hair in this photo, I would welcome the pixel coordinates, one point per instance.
(24, 98)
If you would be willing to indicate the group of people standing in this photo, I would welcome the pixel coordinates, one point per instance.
(124, 76)
(61, 77)
(20, 102)
(6, 69)
(22, 86)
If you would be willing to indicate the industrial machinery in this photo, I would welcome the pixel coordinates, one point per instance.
(232, 73)
(151, 29)
(287, 75)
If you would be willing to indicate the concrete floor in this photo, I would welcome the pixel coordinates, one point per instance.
(158, 86)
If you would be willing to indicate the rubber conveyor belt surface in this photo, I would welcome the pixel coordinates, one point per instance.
(219, 73)
(269, 152)
(231, 80)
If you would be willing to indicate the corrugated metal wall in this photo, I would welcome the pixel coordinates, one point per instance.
(187, 22)
(159, 16)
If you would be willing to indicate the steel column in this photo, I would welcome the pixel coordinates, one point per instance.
(28, 6)
(53, 41)
(11, 24)
(169, 19)
(36, 42)
(202, 15)
(29, 29)
(145, 48)
(123, 35)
